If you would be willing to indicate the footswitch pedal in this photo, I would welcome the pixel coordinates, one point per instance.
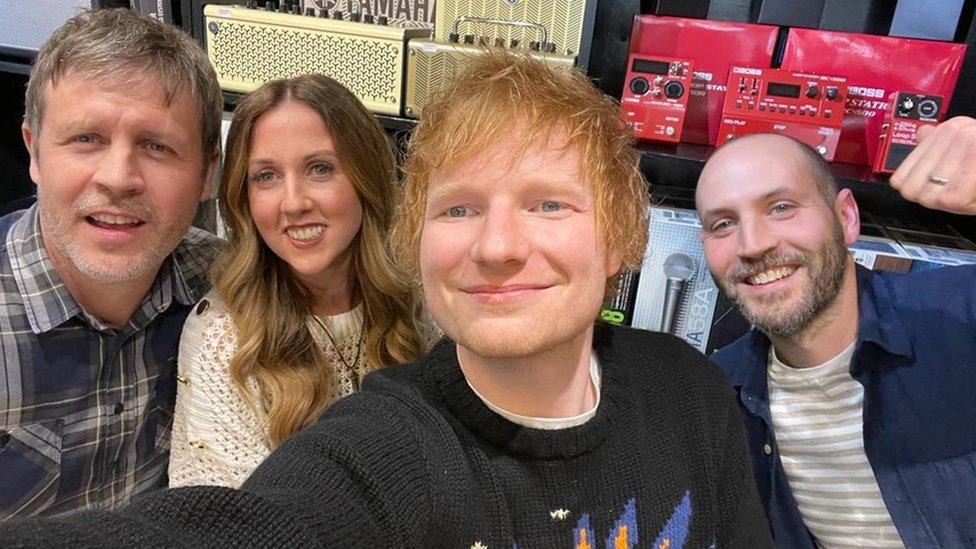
(899, 133)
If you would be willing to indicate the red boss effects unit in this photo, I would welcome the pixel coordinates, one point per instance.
(908, 113)
(713, 47)
(806, 107)
(655, 97)
(875, 67)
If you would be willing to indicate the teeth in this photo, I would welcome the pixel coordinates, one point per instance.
(306, 233)
(771, 275)
(114, 219)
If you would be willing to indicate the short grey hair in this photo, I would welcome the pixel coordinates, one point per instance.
(122, 44)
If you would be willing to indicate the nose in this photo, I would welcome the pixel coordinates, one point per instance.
(501, 239)
(295, 200)
(755, 238)
(118, 171)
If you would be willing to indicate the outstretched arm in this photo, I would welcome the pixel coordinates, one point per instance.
(334, 484)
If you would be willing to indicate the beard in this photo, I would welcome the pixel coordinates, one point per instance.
(56, 227)
(774, 316)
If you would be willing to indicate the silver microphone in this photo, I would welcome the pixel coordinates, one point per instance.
(679, 269)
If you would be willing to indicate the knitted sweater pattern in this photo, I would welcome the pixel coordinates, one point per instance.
(415, 459)
(219, 436)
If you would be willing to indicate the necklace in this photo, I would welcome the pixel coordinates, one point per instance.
(359, 350)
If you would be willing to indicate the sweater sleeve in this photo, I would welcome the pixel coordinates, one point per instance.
(347, 481)
(218, 437)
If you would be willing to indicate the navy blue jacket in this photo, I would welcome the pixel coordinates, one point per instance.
(916, 358)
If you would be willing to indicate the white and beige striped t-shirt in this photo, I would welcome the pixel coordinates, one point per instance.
(817, 418)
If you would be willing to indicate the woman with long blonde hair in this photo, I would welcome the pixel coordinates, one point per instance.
(306, 298)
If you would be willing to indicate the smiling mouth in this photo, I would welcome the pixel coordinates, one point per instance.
(769, 276)
(111, 221)
(503, 289)
(503, 294)
(305, 234)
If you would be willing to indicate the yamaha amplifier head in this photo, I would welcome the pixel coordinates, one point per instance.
(431, 64)
(899, 133)
(249, 47)
(655, 96)
(569, 22)
(806, 107)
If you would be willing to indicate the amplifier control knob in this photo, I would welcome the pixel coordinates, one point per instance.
(822, 150)
(337, 14)
(832, 93)
(368, 18)
(669, 131)
(905, 106)
(813, 91)
(639, 86)
(674, 89)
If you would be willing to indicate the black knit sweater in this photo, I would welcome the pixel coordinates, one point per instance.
(416, 459)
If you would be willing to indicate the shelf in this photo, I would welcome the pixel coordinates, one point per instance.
(16, 61)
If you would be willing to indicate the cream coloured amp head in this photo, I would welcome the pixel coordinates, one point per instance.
(431, 64)
(249, 47)
(569, 23)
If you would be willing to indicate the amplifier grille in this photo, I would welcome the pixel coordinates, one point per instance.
(431, 65)
(433, 71)
(246, 55)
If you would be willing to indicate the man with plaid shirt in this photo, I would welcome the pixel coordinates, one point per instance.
(96, 279)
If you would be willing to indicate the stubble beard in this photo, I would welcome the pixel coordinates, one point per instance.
(825, 271)
(56, 228)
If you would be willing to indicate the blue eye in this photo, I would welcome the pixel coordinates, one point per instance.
(722, 225)
(157, 147)
(322, 169)
(549, 206)
(261, 177)
(782, 208)
(457, 211)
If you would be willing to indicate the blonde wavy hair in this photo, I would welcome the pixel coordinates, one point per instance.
(269, 305)
(495, 93)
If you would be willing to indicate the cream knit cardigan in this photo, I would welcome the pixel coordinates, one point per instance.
(218, 439)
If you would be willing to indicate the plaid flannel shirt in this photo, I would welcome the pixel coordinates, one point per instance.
(85, 409)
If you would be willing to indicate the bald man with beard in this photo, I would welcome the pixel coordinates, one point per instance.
(856, 388)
